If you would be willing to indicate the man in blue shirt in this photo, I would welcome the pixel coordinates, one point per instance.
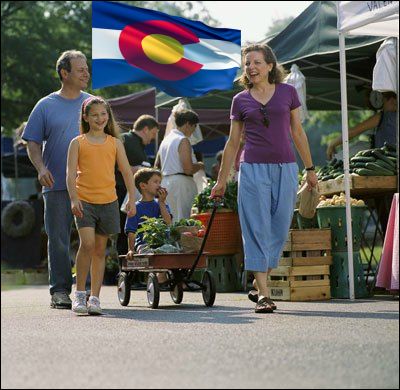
(51, 126)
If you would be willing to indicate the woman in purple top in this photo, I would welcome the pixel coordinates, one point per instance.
(268, 111)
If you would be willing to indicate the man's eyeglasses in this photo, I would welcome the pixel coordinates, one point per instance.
(263, 110)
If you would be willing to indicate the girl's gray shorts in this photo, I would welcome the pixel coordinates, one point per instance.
(104, 218)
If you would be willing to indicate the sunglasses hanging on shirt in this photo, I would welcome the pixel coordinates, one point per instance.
(263, 110)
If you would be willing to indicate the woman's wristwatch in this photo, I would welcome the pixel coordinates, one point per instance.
(312, 168)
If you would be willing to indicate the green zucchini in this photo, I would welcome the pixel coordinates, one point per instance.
(366, 172)
(358, 164)
(362, 159)
(391, 154)
(378, 168)
(381, 156)
(385, 165)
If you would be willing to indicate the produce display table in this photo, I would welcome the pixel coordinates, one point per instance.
(360, 186)
(375, 190)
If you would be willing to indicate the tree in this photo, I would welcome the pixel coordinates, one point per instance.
(279, 25)
(35, 33)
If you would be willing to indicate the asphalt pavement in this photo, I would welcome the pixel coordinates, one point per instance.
(325, 345)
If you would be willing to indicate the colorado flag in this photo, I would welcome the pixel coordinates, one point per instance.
(179, 56)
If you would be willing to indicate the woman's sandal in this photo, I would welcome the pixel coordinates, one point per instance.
(263, 306)
(253, 296)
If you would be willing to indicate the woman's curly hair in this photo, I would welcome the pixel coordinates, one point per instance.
(277, 73)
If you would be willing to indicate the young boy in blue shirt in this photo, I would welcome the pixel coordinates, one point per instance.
(148, 182)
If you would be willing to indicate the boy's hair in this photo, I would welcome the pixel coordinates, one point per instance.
(111, 128)
(144, 175)
(64, 61)
(145, 120)
(186, 116)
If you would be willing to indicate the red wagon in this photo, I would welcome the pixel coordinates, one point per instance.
(179, 268)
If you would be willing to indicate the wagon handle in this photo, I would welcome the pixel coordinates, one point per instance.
(217, 202)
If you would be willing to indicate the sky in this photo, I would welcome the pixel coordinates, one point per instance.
(253, 18)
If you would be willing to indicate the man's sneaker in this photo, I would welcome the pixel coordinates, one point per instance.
(60, 300)
(93, 306)
(79, 305)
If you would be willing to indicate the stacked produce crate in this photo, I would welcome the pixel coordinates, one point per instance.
(331, 213)
(303, 272)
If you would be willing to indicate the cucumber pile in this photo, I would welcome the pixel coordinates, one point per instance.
(375, 162)
(371, 162)
(332, 170)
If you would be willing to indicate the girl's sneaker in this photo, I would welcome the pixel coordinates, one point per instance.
(93, 306)
(79, 304)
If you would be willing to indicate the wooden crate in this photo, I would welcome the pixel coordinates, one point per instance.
(307, 247)
(316, 293)
(303, 272)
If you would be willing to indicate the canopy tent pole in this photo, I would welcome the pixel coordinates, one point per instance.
(338, 71)
(345, 140)
(167, 102)
(330, 63)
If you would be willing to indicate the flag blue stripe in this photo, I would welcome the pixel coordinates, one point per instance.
(117, 16)
(115, 72)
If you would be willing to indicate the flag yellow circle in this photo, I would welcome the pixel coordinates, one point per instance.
(162, 48)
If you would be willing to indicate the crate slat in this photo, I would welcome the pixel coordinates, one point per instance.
(314, 293)
(310, 283)
(311, 261)
(309, 270)
(301, 270)
(278, 283)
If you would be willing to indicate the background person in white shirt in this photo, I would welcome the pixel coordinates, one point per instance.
(178, 164)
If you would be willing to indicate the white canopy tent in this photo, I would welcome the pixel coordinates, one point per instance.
(377, 18)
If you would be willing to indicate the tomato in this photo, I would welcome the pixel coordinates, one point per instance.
(201, 233)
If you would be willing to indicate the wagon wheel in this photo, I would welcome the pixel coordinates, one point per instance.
(124, 288)
(177, 292)
(153, 291)
(209, 289)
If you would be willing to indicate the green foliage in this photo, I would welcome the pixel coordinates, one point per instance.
(203, 202)
(35, 33)
(175, 234)
(187, 222)
(326, 139)
(155, 232)
(323, 126)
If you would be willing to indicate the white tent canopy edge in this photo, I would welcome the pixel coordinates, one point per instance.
(356, 18)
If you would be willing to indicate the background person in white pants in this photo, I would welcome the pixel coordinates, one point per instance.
(178, 164)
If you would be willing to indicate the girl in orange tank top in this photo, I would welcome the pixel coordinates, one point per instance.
(91, 185)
